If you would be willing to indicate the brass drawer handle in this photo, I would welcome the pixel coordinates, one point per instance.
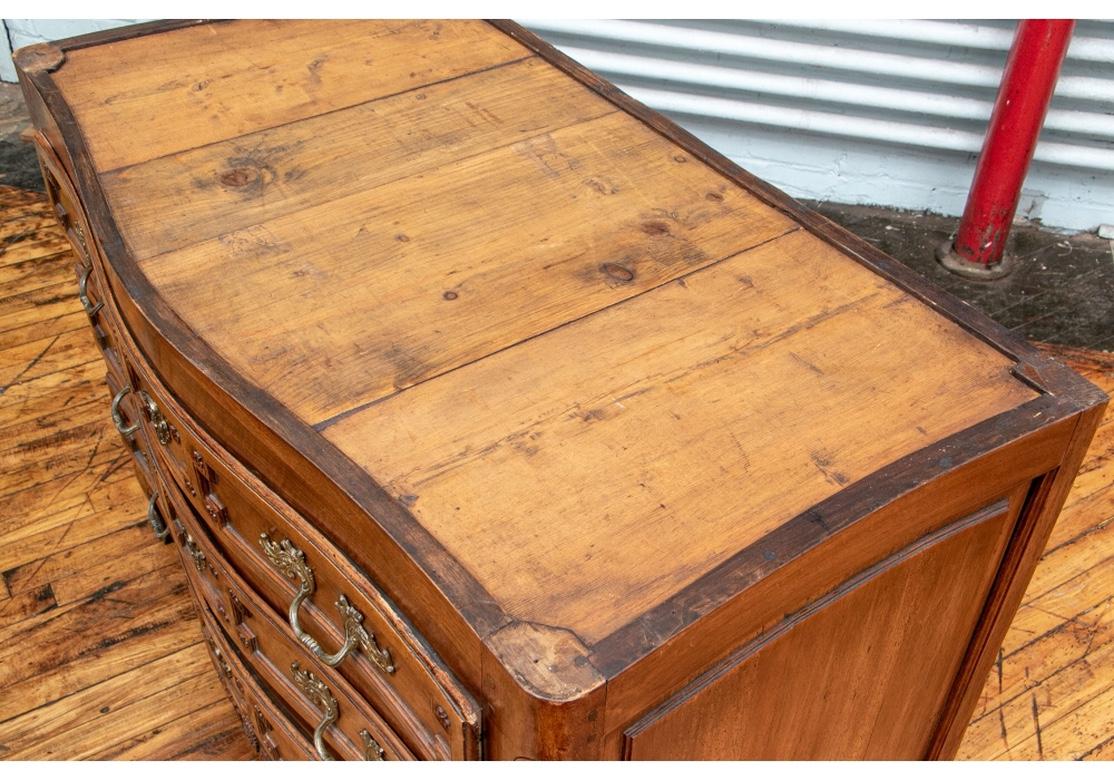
(292, 562)
(154, 519)
(319, 693)
(150, 408)
(83, 294)
(127, 431)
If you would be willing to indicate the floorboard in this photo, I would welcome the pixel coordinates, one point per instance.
(120, 669)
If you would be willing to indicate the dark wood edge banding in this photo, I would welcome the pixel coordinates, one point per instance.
(126, 32)
(438, 673)
(1067, 394)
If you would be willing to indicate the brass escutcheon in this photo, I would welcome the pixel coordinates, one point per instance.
(154, 414)
(373, 751)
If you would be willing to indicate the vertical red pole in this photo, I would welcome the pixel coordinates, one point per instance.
(1028, 81)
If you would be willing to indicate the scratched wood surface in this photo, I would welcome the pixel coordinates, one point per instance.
(647, 433)
(309, 69)
(101, 654)
(547, 225)
(1051, 694)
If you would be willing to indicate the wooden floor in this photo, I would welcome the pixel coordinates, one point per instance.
(100, 652)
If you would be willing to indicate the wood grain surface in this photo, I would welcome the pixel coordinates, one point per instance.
(101, 654)
(419, 285)
(945, 574)
(309, 68)
(670, 397)
(526, 290)
(125, 672)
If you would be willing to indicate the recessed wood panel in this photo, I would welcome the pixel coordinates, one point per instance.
(861, 673)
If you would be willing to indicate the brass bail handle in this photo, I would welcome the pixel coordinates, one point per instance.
(149, 408)
(83, 294)
(291, 561)
(127, 431)
(154, 519)
(319, 693)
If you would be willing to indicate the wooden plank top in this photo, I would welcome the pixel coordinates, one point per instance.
(589, 363)
(589, 473)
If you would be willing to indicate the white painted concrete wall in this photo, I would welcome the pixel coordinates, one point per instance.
(887, 113)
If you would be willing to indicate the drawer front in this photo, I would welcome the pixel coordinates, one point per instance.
(63, 197)
(93, 296)
(92, 291)
(271, 732)
(122, 409)
(143, 463)
(386, 661)
(322, 701)
(125, 417)
(283, 559)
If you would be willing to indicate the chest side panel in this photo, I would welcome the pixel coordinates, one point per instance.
(862, 673)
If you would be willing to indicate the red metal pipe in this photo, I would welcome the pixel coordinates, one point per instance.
(1028, 80)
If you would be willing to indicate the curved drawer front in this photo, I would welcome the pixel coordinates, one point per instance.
(269, 730)
(92, 295)
(92, 291)
(320, 699)
(281, 557)
(125, 417)
(63, 197)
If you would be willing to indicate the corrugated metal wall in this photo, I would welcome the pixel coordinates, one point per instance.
(886, 112)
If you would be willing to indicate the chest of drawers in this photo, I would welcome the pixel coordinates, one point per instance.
(494, 416)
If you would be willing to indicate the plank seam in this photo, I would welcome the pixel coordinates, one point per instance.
(147, 261)
(324, 424)
(122, 168)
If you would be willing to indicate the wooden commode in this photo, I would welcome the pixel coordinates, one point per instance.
(495, 416)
